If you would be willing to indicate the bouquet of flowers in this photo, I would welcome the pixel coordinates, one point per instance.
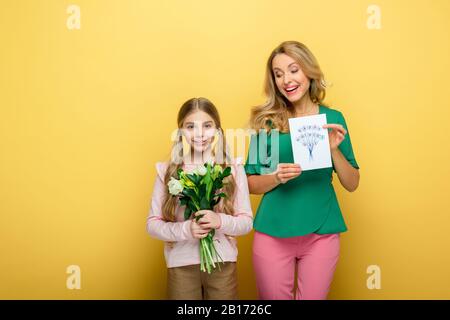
(199, 191)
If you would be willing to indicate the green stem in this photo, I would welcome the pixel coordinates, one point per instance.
(208, 246)
(208, 264)
(202, 259)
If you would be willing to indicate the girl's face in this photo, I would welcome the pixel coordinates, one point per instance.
(199, 130)
(289, 77)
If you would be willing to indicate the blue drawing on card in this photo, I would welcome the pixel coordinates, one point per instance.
(309, 136)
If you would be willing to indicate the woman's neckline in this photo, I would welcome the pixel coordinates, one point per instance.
(321, 110)
(315, 114)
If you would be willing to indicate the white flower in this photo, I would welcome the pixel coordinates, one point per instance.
(200, 170)
(211, 162)
(175, 186)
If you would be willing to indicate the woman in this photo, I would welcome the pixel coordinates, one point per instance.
(298, 222)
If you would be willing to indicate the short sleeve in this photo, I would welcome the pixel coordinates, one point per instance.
(346, 145)
(252, 164)
(259, 160)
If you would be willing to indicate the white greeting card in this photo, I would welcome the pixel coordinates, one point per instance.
(310, 144)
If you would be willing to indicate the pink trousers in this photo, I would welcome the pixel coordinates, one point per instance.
(276, 259)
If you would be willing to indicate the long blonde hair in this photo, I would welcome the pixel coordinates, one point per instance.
(220, 152)
(277, 109)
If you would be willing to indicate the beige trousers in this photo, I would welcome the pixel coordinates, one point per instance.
(189, 283)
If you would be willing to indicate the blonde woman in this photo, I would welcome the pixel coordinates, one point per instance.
(298, 222)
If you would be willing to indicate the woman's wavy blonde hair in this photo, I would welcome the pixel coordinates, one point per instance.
(277, 109)
(220, 153)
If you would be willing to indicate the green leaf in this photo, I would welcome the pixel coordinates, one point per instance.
(219, 185)
(198, 179)
(204, 204)
(192, 206)
(208, 183)
(202, 190)
(183, 201)
(226, 172)
(187, 213)
(191, 177)
(188, 192)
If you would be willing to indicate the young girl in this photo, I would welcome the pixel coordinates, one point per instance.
(199, 123)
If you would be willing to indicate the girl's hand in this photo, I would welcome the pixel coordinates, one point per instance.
(197, 231)
(287, 171)
(336, 136)
(210, 219)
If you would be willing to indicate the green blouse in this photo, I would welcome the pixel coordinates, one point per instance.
(303, 205)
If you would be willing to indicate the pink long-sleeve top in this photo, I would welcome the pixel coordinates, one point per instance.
(185, 250)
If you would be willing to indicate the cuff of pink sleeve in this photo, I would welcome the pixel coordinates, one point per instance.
(224, 222)
(187, 230)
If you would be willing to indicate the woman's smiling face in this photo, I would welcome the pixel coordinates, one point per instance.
(199, 130)
(289, 77)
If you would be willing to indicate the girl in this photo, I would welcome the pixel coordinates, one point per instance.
(298, 222)
(199, 123)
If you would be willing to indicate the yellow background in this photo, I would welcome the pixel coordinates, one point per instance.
(85, 114)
